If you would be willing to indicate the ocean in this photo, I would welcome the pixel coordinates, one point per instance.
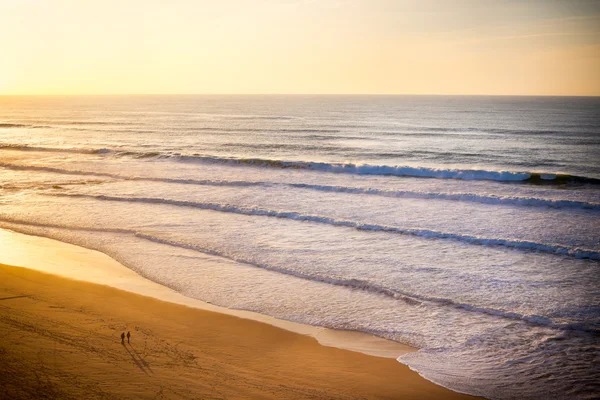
(465, 226)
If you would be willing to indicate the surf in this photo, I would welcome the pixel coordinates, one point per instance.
(557, 249)
(536, 178)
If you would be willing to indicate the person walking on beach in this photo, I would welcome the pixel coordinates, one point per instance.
(128, 336)
(123, 338)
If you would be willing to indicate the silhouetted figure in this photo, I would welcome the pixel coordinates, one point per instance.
(123, 338)
(128, 336)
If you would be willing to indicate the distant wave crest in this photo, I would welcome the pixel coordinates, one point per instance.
(346, 168)
(77, 150)
(8, 125)
(465, 197)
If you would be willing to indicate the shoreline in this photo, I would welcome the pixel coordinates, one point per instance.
(63, 259)
(37, 305)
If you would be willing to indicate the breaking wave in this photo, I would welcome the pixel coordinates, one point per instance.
(465, 197)
(539, 178)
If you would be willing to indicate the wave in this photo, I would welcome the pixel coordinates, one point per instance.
(257, 117)
(412, 299)
(16, 125)
(470, 197)
(287, 130)
(16, 167)
(502, 131)
(425, 233)
(465, 197)
(75, 122)
(207, 182)
(34, 122)
(538, 178)
(76, 150)
(9, 125)
(405, 171)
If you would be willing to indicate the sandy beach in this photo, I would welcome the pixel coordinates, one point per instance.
(60, 338)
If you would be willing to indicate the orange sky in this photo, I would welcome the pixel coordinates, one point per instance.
(533, 47)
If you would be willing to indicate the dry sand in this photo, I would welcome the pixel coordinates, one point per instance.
(60, 338)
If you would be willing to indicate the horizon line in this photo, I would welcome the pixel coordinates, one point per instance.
(291, 94)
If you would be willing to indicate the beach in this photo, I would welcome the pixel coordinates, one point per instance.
(60, 338)
(453, 236)
(298, 199)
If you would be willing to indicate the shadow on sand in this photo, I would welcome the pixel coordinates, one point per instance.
(138, 360)
(13, 297)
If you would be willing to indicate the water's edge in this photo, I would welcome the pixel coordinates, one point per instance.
(65, 260)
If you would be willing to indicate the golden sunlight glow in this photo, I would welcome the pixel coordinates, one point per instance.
(539, 47)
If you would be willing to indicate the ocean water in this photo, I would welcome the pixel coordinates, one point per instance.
(466, 226)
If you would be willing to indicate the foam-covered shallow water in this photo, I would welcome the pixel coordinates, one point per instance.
(465, 226)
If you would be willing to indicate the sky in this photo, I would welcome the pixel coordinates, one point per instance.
(489, 47)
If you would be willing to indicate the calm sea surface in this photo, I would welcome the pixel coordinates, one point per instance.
(466, 226)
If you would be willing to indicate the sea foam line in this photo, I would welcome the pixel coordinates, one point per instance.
(425, 233)
(470, 197)
(467, 197)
